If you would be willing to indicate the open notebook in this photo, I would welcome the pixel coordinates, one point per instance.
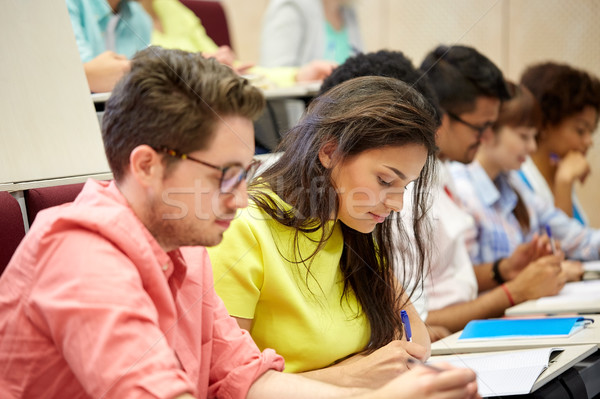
(549, 327)
(517, 372)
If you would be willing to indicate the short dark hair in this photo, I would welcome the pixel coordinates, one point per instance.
(173, 99)
(460, 74)
(391, 64)
(561, 90)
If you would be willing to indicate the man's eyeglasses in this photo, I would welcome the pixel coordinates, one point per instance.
(231, 175)
(479, 129)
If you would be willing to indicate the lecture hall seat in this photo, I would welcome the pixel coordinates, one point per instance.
(12, 229)
(41, 198)
(213, 18)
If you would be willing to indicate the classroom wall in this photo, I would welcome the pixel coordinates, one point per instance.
(512, 33)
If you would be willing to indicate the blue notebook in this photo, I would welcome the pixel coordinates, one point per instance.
(554, 327)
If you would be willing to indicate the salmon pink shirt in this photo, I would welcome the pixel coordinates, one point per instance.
(91, 306)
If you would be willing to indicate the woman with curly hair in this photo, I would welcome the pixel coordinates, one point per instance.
(570, 102)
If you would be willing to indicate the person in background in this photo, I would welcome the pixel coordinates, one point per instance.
(394, 64)
(296, 32)
(505, 211)
(470, 89)
(570, 103)
(177, 27)
(108, 34)
(101, 300)
(308, 267)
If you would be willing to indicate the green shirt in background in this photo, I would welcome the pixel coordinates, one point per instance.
(183, 30)
(338, 47)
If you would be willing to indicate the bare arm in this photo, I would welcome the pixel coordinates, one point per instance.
(483, 273)
(454, 317)
(273, 384)
(541, 278)
(377, 368)
(418, 383)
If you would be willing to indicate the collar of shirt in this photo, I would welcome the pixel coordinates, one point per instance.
(496, 193)
(171, 263)
(103, 11)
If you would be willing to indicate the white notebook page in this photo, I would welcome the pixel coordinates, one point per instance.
(502, 373)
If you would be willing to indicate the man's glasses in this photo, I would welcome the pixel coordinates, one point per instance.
(231, 175)
(479, 129)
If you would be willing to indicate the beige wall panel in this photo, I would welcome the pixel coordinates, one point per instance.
(416, 27)
(513, 33)
(564, 31)
(374, 21)
(48, 125)
(245, 20)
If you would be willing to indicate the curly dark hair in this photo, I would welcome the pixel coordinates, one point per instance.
(561, 90)
(390, 64)
(460, 74)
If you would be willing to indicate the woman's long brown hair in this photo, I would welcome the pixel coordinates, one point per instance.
(358, 115)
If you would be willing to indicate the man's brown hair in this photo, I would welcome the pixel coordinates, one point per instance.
(173, 99)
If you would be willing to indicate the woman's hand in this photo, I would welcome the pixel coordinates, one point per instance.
(544, 277)
(425, 383)
(573, 270)
(224, 54)
(572, 167)
(381, 366)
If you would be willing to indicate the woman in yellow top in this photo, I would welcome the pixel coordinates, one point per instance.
(307, 268)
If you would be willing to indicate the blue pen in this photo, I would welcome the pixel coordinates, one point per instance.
(406, 323)
(552, 244)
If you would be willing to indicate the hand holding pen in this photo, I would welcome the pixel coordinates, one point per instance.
(428, 381)
(406, 324)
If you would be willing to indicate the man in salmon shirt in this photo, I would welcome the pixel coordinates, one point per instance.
(99, 300)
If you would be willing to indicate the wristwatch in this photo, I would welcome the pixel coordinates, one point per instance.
(496, 276)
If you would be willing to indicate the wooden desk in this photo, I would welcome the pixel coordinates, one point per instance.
(301, 90)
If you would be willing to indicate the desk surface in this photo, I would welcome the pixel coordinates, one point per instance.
(451, 344)
(300, 90)
(578, 297)
(28, 185)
